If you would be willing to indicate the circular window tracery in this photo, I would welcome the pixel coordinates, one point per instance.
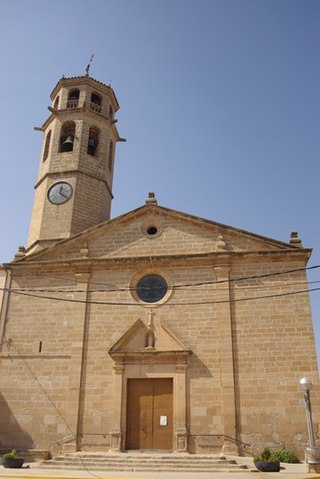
(151, 288)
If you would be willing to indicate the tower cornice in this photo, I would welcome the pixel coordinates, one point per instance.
(75, 112)
(62, 174)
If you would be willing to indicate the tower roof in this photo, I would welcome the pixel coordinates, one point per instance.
(84, 79)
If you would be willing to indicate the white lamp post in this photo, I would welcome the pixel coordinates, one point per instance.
(312, 453)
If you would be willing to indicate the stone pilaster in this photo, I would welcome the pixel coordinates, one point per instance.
(116, 433)
(78, 336)
(226, 361)
(4, 305)
(181, 434)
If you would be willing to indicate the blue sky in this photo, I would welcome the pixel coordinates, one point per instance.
(219, 103)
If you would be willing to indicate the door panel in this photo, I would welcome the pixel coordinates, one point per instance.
(149, 414)
(162, 409)
(145, 417)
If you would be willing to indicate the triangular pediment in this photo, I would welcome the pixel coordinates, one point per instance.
(151, 231)
(154, 337)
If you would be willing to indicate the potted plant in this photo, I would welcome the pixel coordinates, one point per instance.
(11, 460)
(267, 461)
(285, 455)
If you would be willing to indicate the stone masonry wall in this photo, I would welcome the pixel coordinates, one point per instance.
(247, 355)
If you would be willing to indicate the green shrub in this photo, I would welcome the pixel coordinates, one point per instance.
(10, 455)
(285, 455)
(276, 455)
(266, 455)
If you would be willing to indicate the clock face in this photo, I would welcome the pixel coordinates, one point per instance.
(60, 193)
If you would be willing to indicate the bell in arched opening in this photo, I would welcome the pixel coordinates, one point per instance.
(67, 144)
(92, 146)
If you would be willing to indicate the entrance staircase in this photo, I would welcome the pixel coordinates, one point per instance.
(142, 462)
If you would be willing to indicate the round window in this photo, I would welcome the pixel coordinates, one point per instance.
(152, 288)
(152, 230)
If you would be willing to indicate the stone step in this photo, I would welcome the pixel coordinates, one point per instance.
(123, 468)
(137, 459)
(142, 462)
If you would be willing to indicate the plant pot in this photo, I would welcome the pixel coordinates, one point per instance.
(266, 466)
(13, 462)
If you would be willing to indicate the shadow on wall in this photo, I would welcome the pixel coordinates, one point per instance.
(197, 369)
(11, 434)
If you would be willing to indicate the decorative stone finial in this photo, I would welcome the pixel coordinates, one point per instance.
(151, 199)
(294, 238)
(84, 251)
(221, 245)
(21, 252)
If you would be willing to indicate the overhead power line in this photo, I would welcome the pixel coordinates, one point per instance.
(172, 303)
(32, 292)
(114, 288)
(145, 288)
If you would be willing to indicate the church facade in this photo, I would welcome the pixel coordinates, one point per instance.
(155, 330)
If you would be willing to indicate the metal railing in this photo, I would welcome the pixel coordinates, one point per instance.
(244, 445)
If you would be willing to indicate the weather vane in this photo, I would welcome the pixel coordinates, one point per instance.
(89, 64)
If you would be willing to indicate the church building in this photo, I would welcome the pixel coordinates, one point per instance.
(154, 330)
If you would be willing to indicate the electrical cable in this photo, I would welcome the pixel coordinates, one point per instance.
(202, 283)
(114, 303)
(170, 288)
(11, 343)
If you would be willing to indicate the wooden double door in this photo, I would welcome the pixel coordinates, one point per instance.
(149, 414)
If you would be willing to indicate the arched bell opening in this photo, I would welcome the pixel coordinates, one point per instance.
(95, 103)
(73, 98)
(93, 141)
(56, 103)
(46, 147)
(67, 136)
(111, 155)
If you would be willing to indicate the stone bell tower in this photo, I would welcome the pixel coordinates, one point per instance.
(74, 186)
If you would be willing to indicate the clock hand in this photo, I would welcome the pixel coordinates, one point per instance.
(61, 192)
